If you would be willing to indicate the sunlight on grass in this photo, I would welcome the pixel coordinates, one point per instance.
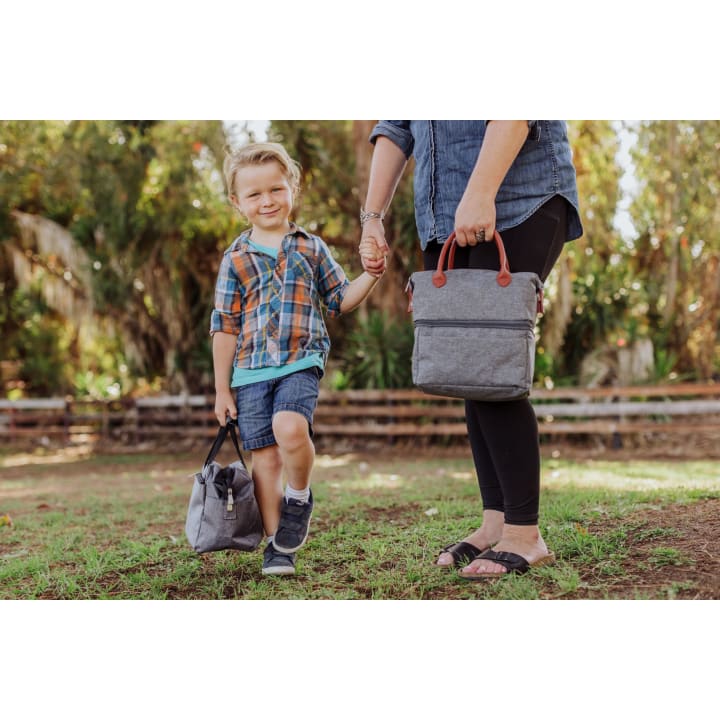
(461, 475)
(375, 480)
(42, 457)
(328, 461)
(631, 476)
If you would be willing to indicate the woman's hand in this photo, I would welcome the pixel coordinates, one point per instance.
(475, 215)
(474, 219)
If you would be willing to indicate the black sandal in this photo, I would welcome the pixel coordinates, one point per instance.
(512, 562)
(462, 553)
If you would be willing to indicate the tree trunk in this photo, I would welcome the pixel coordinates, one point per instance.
(560, 312)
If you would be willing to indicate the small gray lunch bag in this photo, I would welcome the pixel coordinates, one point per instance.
(474, 329)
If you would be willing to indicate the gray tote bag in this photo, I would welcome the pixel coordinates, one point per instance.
(223, 513)
(474, 329)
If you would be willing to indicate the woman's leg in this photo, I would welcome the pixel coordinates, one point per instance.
(490, 530)
(509, 430)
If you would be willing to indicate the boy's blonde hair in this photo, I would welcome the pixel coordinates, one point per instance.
(259, 154)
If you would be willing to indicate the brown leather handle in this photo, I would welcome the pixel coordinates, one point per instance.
(504, 278)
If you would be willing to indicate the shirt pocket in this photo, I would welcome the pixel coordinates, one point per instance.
(300, 277)
(300, 268)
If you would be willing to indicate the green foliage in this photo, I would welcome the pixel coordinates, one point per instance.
(377, 353)
(144, 201)
(38, 339)
(601, 287)
(665, 362)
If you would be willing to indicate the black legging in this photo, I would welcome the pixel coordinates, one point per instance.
(504, 435)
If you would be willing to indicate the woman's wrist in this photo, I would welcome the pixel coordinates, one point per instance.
(370, 215)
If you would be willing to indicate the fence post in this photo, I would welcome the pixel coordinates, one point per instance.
(105, 429)
(66, 419)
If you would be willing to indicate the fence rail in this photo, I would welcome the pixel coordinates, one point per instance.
(677, 409)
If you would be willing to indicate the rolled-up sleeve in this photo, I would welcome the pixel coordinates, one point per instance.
(396, 130)
(533, 128)
(227, 313)
(331, 280)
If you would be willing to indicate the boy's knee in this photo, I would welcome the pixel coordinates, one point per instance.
(267, 460)
(291, 430)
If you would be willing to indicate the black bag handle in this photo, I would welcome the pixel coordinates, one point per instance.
(223, 431)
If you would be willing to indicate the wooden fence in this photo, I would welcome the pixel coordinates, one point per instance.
(677, 409)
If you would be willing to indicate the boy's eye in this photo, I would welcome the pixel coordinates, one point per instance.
(253, 195)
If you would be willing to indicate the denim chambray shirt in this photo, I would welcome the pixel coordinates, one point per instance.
(445, 155)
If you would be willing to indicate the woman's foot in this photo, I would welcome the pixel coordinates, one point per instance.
(523, 540)
(483, 538)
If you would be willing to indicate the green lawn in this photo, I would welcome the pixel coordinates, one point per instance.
(113, 527)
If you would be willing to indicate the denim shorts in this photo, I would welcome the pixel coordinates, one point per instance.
(258, 402)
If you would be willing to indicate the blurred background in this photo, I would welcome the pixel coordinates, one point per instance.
(111, 233)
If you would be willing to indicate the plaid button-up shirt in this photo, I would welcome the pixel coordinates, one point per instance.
(274, 306)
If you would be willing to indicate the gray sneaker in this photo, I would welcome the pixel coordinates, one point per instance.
(277, 563)
(294, 525)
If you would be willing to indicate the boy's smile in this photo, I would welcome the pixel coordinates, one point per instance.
(263, 194)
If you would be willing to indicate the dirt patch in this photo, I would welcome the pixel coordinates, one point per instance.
(675, 547)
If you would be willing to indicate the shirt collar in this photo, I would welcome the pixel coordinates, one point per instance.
(241, 243)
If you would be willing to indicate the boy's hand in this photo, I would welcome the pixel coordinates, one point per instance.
(224, 406)
(373, 253)
(373, 256)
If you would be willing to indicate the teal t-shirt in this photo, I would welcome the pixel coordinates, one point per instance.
(244, 376)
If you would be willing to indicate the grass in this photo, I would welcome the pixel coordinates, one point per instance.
(113, 527)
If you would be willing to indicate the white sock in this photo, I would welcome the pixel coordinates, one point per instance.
(270, 539)
(292, 494)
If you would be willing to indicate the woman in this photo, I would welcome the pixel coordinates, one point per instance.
(472, 176)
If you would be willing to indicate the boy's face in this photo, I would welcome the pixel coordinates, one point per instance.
(263, 194)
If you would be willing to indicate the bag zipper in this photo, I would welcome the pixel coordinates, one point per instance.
(503, 324)
(539, 291)
(230, 500)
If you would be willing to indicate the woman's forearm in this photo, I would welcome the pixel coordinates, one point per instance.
(501, 145)
(475, 214)
(386, 169)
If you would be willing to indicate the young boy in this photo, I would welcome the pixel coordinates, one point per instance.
(270, 342)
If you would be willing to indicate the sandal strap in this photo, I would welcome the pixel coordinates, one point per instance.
(512, 561)
(462, 551)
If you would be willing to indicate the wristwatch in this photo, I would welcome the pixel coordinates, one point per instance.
(367, 215)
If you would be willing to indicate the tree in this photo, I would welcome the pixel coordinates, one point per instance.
(589, 288)
(143, 206)
(676, 256)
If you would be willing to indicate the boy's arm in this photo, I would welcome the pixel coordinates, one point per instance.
(223, 347)
(357, 291)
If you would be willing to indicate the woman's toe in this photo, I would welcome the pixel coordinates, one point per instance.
(479, 567)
